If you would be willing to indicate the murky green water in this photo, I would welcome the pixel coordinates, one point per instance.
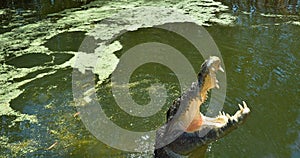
(263, 67)
(261, 53)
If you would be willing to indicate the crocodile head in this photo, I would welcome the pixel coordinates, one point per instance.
(207, 80)
(187, 128)
(207, 76)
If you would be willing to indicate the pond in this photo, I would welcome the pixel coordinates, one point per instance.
(259, 45)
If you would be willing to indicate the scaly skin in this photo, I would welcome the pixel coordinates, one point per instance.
(187, 129)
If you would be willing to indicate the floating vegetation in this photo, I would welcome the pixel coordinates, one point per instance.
(26, 49)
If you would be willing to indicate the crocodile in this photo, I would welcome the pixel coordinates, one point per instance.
(186, 128)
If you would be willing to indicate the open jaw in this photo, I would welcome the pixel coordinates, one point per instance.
(207, 79)
(187, 128)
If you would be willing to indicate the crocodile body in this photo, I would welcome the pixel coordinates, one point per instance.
(187, 129)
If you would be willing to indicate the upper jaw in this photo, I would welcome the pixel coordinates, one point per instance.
(213, 66)
(214, 63)
(207, 78)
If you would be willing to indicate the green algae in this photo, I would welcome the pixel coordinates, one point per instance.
(7, 110)
(21, 148)
(296, 23)
(54, 115)
(18, 148)
(2, 12)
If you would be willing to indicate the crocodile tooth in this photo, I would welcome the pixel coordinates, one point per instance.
(246, 109)
(240, 106)
(245, 105)
(235, 118)
(223, 113)
(220, 114)
(228, 116)
(217, 86)
(221, 69)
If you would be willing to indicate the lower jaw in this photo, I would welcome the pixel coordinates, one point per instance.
(195, 124)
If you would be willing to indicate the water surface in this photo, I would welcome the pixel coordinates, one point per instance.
(261, 53)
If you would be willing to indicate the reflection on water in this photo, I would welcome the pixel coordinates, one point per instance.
(265, 6)
(18, 13)
(262, 59)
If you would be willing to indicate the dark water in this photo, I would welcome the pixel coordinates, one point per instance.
(262, 59)
(263, 64)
